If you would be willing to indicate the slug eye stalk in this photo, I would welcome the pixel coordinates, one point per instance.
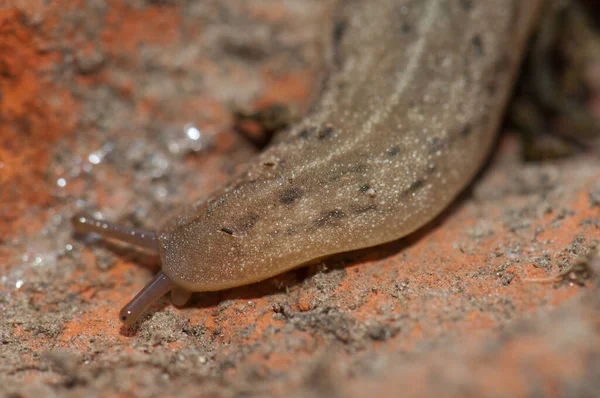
(154, 290)
(157, 287)
(121, 233)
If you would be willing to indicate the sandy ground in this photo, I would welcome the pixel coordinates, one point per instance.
(101, 105)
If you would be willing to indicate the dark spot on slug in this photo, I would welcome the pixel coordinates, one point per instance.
(338, 31)
(363, 209)
(359, 168)
(393, 151)
(466, 131)
(329, 217)
(325, 132)
(290, 195)
(412, 188)
(477, 44)
(405, 28)
(466, 68)
(247, 222)
(291, 231)
(227, 231)
(345, 170)
(467, 5)
(269, 163)
(416, 185)
(435, 144)
(307, 132)
(491, 88)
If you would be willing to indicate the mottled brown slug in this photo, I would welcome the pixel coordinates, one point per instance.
(404, 123)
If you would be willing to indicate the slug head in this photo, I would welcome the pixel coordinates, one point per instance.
(158, 286)
(202, 255)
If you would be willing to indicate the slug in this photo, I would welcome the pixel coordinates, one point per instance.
(406, 119)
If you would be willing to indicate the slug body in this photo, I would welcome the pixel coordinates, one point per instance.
(405, 121)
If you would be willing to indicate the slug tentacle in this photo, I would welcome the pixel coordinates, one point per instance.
(133, 236)
(154, 290)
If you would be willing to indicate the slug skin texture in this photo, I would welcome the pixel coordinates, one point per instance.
(406, 120)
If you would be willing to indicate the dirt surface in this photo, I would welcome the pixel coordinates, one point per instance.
(124, 110)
